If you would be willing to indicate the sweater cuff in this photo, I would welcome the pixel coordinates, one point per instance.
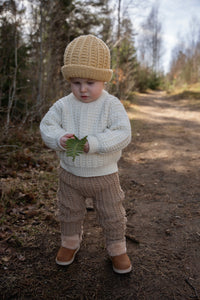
(93, 144)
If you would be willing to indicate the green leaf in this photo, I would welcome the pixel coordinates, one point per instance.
(74, 146)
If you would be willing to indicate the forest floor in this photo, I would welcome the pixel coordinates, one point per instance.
(160, 174)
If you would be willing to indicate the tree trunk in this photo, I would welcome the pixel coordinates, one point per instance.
(12, 90)
(118, 48)
(40, 75)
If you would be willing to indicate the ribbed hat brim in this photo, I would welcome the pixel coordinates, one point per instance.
(82, 71)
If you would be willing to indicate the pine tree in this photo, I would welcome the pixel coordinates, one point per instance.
(13, 63)
(124, 61)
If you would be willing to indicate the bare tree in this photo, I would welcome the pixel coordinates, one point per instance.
(150, 41)
(185, 62)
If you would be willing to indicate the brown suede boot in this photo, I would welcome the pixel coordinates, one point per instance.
(121, 263)
(66, 256)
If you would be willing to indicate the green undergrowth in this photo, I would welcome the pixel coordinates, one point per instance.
(185, 91)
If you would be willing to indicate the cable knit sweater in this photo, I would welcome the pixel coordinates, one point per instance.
(104, 121)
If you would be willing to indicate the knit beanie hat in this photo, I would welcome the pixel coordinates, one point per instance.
(87, 57)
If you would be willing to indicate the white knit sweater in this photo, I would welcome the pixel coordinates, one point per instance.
(104, 121)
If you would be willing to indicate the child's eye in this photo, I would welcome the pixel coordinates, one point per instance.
(90, 82)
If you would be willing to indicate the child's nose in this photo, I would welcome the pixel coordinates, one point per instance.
(83, 87)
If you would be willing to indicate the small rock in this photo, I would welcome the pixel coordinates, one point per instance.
(168, 232)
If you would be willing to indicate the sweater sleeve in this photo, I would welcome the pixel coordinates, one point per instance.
(117, 135)
(51, 128)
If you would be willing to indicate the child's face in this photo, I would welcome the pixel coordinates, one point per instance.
(86, 90)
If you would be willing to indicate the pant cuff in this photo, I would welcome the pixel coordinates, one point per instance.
(71, 242)
(117, 248)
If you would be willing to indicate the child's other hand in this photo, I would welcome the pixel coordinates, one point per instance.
(86, 147)
(64, 138)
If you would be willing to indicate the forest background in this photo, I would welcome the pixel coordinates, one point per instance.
(34, 34)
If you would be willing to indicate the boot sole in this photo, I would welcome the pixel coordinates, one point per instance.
(118, 271)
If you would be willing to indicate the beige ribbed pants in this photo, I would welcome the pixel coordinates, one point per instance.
(107, 197)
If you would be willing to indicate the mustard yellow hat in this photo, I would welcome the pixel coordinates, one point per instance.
(87, 57)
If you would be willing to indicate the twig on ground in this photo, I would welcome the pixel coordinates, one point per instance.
(14, 146)
(132, 238)
(188, 282)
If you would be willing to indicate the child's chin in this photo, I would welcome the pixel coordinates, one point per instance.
(86, 100)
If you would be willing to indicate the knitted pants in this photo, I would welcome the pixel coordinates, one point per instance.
(107, 197)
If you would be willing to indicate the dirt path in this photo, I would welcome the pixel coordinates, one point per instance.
(164, 163)
(160, 173)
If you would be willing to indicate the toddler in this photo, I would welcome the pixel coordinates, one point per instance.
(89, 111)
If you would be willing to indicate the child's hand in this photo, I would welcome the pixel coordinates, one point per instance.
(86, 147)
(64, 138)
